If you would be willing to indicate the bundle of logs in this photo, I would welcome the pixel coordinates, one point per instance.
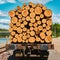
(30, 24)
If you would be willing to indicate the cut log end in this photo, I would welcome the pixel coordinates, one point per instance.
(12, 13)
(38, 10)
(31, 39)
(24, 13)
(48, 13)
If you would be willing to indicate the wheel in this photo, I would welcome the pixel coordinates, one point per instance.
(11, 58)
(44, 55)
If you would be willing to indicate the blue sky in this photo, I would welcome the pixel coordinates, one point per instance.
(7, 5)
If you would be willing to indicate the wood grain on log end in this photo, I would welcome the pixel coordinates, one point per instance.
(42, 35)
(31, 39)
(14, 20)
(48, 13)
(24, 13)
(48, 39)
(12, 13)
(14, 40)
(38, 10)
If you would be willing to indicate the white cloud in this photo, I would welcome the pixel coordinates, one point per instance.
(2, 1)
(4, 21)
(4, 26)
(5, 1)
(56, 18)
(35, 1)
(11, 1)
(3, 13)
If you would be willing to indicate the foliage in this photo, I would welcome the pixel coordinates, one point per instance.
(56, 29)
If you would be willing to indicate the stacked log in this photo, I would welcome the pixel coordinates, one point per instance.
(30, 24)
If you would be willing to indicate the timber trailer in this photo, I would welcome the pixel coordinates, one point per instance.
(30, 32)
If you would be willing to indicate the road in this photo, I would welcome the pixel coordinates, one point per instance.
(55, 54)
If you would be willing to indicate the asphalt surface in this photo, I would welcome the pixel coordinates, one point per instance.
(54, 55)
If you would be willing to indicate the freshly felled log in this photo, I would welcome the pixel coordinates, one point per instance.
(19, 39)
(48, 27)
(23, 7)
(48, 13)
(44, 30)
(40, 28)
(44, 25)
(22, 25)
(28, 36)
(32, 5)
(20, 10)
(42, 41)
(30, 24)
(37, 5)
(31, 39)
(10, 29)
(24, 37)
(24, 33)
(18, 7)
(18, 24)
(12, 13)
(41, 5)
(44, 20)
(44, 8)
(31, 28)
(20, 35)
(23, 18)
(28, 18)
(32, 33)
(41, 15)
(38, 10)
(32, 14)
(35, 28)
(14, 40)
(28, 31)
(32, 20)
(13, 33)
(16, 35)
(38, 22)
(16, 13)
(20, 20)
(42, 35)
(37, 32)
(48, 39)
(27, 7)
(11, 25)
(19, 30)
(14, 20)
(37, 17)
(27, 41)
(37, 39)
(11, 37)
(49, 22)
(25, 13)
(19, 16)
(49, 33)
(31, 10)
(24, 29)
(35, 24)
(14, 27)
(25, 22)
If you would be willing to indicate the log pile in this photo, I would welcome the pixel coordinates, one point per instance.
(30, 24)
